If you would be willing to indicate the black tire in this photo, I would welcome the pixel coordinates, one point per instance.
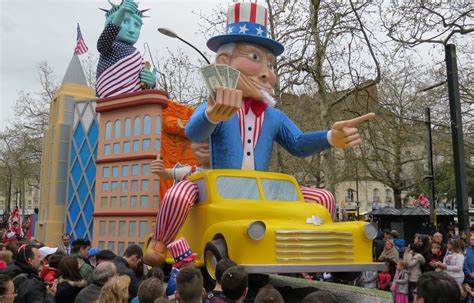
(214, 251)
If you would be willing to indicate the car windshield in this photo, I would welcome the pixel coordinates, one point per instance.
(238, 188)
(280, 190)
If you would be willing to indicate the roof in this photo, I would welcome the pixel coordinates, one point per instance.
(411, 211)
(385, 211)
(75, 73)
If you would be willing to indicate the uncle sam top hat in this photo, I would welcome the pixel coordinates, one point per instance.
(181, 252)
(246, 22)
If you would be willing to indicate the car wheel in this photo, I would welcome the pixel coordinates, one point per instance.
(214, 251)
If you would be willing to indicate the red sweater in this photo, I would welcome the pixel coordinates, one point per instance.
(383, 280)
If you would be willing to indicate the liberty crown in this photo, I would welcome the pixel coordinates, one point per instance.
(115, 8)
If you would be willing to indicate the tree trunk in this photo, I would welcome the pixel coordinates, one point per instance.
(397, 197)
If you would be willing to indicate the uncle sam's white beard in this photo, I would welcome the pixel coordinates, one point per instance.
(267, 98)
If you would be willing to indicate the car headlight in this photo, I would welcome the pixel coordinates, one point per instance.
(371, 230)
(256, 230)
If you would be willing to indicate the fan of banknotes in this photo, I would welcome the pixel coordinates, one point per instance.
(219, 75)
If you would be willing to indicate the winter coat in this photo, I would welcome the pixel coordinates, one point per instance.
(28, 284)
(469, 264)
(68, 290)
(431, 259)
(415, 262)
(48, 274)
(455, 263)
(89, 294)
(400, 282)
(124, 269)
(383, 280)
(85, 268)
(389, 254)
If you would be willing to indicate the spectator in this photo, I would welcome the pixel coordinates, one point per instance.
(436, 287)
(384, 278)
(235, 283)
(469, 262)
(24, 273)
(389, 252)
(156, 272)
(320, 296)
(369, 278)
(49, 271)
(415, 261)
(92, 256)
(183, 258)
(150, 290)
(126, 266)
(467, 293)
(268, 294)
(464, 237)
(70, 280)
(399, 243)
(7, 289)
(189, 286)
(387, 235)
(105, 255)
(454, 260)
(6, 256)
(216, 295)
(400, 283)
(435, 256)
(46, 251)
(66, 246)
(101, 275)
(115, 290)
(438, 238)
(80, 248)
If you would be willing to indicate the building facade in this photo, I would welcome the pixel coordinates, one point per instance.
(127, 195)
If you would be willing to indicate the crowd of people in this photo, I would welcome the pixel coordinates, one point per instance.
(433, 255)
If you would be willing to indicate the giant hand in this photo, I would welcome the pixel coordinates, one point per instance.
(228, 101)
(148, 77)
(344, 134)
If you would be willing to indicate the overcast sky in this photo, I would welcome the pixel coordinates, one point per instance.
(35, 31)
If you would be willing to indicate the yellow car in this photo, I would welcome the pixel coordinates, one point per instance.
(260, 221)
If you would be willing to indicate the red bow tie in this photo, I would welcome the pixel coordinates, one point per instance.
(258, 107)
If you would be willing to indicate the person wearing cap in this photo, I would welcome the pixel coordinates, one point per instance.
(183, 258)
(91, 255)
(241, 123)
(105, 255)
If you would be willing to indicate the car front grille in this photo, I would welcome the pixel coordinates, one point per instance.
(313, 245)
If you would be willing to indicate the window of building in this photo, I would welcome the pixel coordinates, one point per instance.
(121, 248)
(124, 186)
(105, 187)
(132, 229)
(103, 202)
(136, 145)
(115, 171)
(108, 130)
(155, 202)
(134, 186)
(107, 150)
(126, 146)
(157, 144)
(136, 126)
(117, 129)
(350, 195)
(125, 171)
(156, 185)
(146, 144)
(113, 202)
(105, 172)
(116, 148)
(123, 201)
(147, 125)
(145, 169)
(158, 125)
(111, 245)
(145, 185)
(122, 229)
(135, 169)
(102, 228)
(112, 229)
(114, 185)
(101, 245)
(388, 196)
(376, 195)
(143, 228)
(133, 201)
(144, 201)
(127, 129)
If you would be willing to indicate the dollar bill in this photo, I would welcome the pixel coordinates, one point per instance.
(233, 77)
(211, 78)
(222, 69)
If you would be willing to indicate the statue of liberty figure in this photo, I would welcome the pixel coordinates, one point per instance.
(121, 68)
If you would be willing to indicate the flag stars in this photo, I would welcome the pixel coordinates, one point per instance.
(243, 29)
(259, 31)
(230, 30)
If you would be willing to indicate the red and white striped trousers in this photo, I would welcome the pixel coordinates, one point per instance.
(179, 199)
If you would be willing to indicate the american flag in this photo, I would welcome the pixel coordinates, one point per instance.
(81, 47)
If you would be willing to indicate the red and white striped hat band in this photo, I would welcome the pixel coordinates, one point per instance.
(180, 249)
(246, 22)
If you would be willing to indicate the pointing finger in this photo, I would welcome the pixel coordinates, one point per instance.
(358, 120)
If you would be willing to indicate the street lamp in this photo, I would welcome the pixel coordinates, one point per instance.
(171, 34)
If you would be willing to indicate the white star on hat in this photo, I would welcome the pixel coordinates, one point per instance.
(230, 30)
(259, 31)
(243, 29)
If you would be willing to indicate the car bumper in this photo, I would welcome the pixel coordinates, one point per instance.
(299, 268)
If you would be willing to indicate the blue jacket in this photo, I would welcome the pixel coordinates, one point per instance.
(226, 144)
(469, 264)
(171, 288)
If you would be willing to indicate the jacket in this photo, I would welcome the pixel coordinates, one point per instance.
(85, 268)
(67, 290)
(124, 269)
(455, 264)
(400, 282)
(415, 262)
(28, 284)
(383, 280)
(469, 264)
(431, 259)
(89, 294)
(48, 274)
(390, 254)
